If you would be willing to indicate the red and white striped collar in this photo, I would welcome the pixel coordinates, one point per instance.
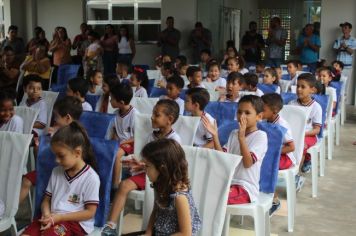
(308, 104)
(77, 175)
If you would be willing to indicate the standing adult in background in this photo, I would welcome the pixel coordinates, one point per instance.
(200, 39)
(168, 39)
(276, 41)
(308, 45)
(9, 69)
(16, 43)
(109, 44)
(60, 47)
(126, 46)
(345, 46)
(252, 43)
(38, 40)
(77, 43)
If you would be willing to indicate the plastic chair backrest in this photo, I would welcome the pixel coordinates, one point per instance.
(287, 97)
(153, 74)
(325, 103)
(92, 100)
(210, 174)
(225, 129)
(209, 85)
(144, 105)
(185, 126)
(222, 111)
(67, 72)
(296, 117)
(105, 153)
(14, 151)
(157, 92)
(96, 123)
(60, 88)
(267, 88)
(151, 83)
(338, 85)
(29, 116)
(20, 81)
(270, 163)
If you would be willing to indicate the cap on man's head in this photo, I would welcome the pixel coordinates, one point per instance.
(346, 24)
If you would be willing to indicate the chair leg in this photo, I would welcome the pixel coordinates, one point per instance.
(343, 111)
(267, 224)
(226, 225)
(13, 227)
(322, 157)
(337, 131)
(259, 222)
(291, 199)
(314, 160)
(137, 205)
(330, 142)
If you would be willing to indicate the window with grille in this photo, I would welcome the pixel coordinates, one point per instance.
(2, 19)
(143, 17)
(265, 16)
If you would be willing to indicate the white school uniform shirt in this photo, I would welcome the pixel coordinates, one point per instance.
(86, 106)
(288, 138)
(221, 82)
(141, 92)
(125, 79)
(124, 124)
(71, 194)
(259, 93)
(315, 116)
(98, 90)
(178, 100)
(203, 136)
(248, 178)
(171, 135)
(41, 106)
(278, 90)
(332, 92)
(243, 71)
(15, 124)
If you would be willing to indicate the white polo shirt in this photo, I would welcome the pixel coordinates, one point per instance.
(71, 194)
(315, 116)
(221, 82)
(288, 138)
(124, 124)
(202, 136)
(15, 124)
(248, 178)
(41, 106)
(140, 92)
(86, 106)
(171, 135)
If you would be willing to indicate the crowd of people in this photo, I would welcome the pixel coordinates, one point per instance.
(107, 71)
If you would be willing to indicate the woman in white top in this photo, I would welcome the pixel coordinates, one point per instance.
(92, 59)
(126, 46)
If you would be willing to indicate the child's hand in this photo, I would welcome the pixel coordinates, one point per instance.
(136, 166)
(213, 129)
(46, 222)
(242, 124)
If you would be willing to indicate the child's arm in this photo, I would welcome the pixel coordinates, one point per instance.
(149, 230)
(130, 140)
(183, 213)
(46, 206)
(213, 129)
(247, 159)
(39, 125)
(86, 214)
(315, 131)
(288, 147)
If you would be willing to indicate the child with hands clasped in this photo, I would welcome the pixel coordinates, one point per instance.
(72, 195)
(249, 142)
(174, 211)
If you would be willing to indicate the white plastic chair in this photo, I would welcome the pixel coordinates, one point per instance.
(153, 74)
(20, 80)
(328, 131)
(14, 147)
(28, 116)
(214, 95)
(343, 100)
(144, 105)
(297, 117)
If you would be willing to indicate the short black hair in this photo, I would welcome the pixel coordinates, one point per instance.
(251, 79)
(212, 64)
(171, 108)
(170, 18)
(111, 80)
(255, 101)
(168, 66)
(200, 96)
(207, 51)
(340, 63)
(7, 95)
(192, 70)
(8, 49)
(94, 34)
(198, 24)
(182, 58)
(273, 101)
(293, 62)
(122, 92)
(235, 76)
(176, 80)
(32, 78)
(80, 85)
(309, 78)
(69, 106)
(13, 27)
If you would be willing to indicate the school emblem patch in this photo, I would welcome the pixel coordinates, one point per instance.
(60, 230)
(74, 198)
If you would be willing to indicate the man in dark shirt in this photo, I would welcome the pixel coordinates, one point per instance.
(252, 43)
(169, 39)
(15, 43)
(200, 39)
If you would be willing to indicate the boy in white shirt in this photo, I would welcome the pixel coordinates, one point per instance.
(33, 89)
(251, 84)
(249, 142)
(78, 87)
(234, 84)
(214, 77)
(195, 77)
(196, 100)
(306, 87)
(273, 104)
(174, 86)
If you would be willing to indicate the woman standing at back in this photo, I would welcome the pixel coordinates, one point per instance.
(126, 46)
(109, 44)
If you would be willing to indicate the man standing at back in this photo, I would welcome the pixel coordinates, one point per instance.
(252, 43)
(169, 39)
(200, 39)
(276, 41)
(345, 46)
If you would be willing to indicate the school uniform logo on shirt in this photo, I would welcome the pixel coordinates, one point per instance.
(74, 199)
(60, 230)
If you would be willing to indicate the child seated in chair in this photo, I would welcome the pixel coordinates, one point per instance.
(9, 121)
(122, 72)
(195, 102)
(270, 77)
(195, 77)
(167, 71)
(78, 87)
(95, 78)
(292, 68)
(165, 114)
(214, 77)
(251, 80)
(65, 111)
(33, 89)
(122, 126)
(103, 105)
(139, 82)
(234, 84)
(249, 142)
(306, 87)
(175, 85)
(272, 105)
